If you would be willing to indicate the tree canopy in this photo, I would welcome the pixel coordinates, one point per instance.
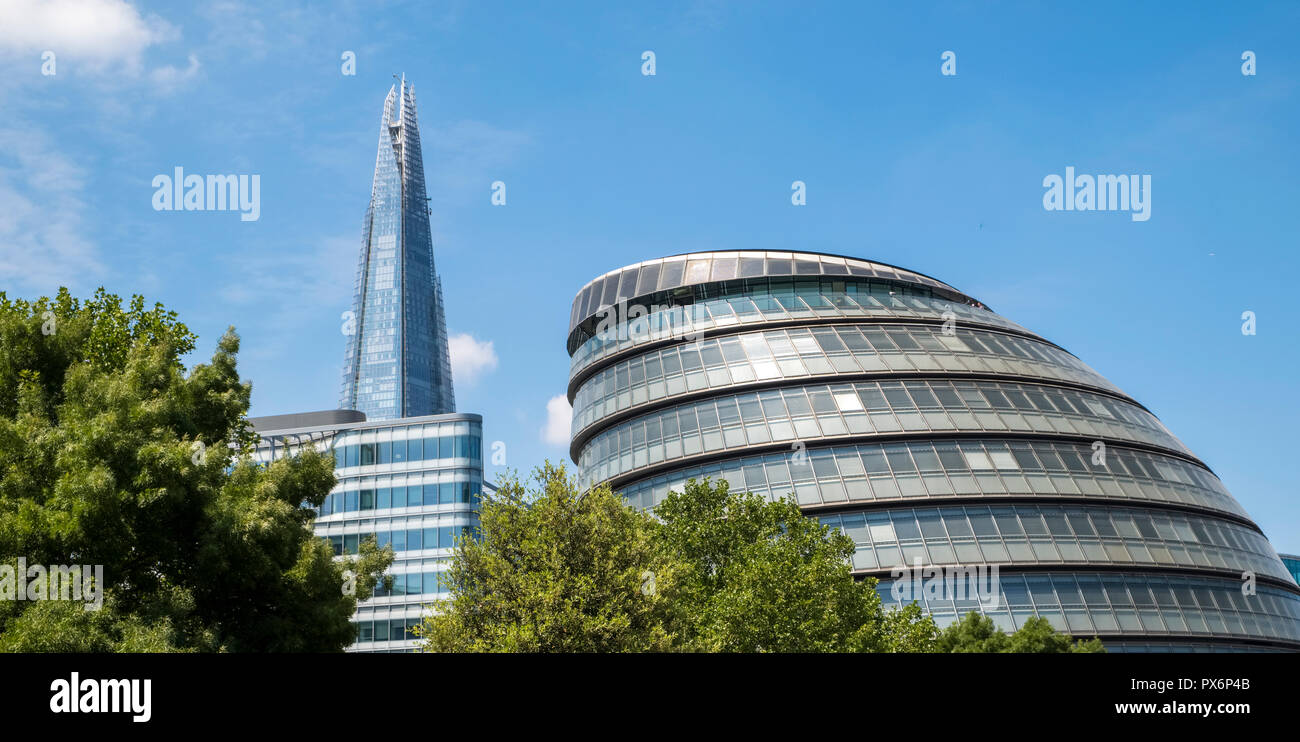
(554, 569)
(112, 454)
(976, 633)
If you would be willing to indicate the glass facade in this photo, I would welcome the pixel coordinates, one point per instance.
(1292, 563)
(397, 362)
(414, 484)
(935, 433)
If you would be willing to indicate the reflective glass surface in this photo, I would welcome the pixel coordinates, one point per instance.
(1086, 604)
(628, 328)
(397, 362)
(682, 270)
(928, 428)
(886, 473)
(1053, 534)
(819, 411)
(414, 484)
(719, 363)
(1292, 565)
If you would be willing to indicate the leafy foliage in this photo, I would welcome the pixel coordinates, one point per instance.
(553, 571)
(556, 570)
(976, 633)
(763, 577)
(110, 454)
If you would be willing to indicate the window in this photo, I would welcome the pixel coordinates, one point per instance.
(1003, 460)
(882, 532)
(848, 402)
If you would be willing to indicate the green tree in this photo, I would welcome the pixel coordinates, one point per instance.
(763, 577)
(977, 633)
(556, 571)
(111, 454)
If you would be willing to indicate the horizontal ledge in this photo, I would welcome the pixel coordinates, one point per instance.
(871, 506)
(743, 328)
(849, 440)
(1084, 567)
(594, 429)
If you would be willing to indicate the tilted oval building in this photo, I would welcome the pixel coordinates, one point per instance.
(934, 432)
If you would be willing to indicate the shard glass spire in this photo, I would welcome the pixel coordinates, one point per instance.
(397, 363)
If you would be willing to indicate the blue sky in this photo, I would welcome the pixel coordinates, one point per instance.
(604, 167)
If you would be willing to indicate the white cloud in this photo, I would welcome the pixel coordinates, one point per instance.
(559, 418)
(470, 359)
(99, 33)
(42, 241)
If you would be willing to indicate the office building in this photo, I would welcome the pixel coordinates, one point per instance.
(413, 483)
(1292, 563)
(934, 432)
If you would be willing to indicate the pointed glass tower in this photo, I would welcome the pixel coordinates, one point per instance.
(397, 363)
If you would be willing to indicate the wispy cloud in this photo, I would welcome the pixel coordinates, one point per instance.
(290, 279)
(469, 156)
(42, 241)
(237, 27)
(169, 77)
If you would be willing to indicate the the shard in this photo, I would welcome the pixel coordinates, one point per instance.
(397, 362)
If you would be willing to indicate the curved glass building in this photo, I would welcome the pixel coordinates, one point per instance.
(940, 436)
